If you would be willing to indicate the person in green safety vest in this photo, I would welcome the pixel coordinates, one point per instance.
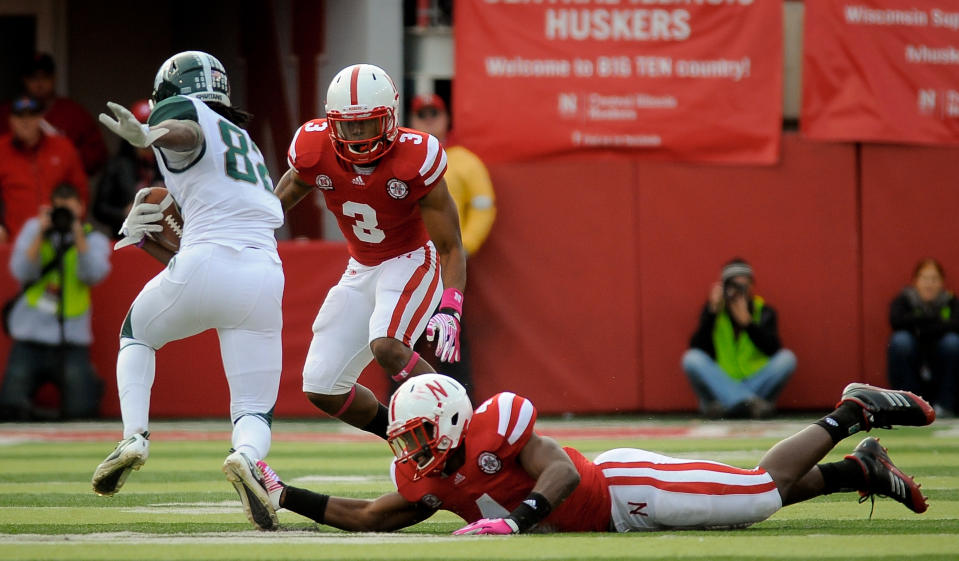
(57, 257)
(736, 363)
(923, 354)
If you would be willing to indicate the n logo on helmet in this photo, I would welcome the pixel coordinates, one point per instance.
(437, 390)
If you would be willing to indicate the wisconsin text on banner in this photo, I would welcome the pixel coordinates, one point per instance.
(883, 70)
(692, 81)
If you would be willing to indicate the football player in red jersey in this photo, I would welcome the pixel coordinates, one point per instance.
(491, 468)
(385, 186)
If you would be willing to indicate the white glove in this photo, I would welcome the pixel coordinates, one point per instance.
(128, 127)
(143, 218)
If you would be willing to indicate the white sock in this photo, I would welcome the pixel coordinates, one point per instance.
(251, 435)
(136, 368)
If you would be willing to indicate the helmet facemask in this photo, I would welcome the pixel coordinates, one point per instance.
(362, 139)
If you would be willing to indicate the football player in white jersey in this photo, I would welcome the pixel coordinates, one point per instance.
(226, 275)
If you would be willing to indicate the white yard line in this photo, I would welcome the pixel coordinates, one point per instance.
(230, 538)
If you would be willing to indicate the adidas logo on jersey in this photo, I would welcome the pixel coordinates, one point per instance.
(358, 180)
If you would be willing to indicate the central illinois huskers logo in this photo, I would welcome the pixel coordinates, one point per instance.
(397, 189)
(324, 182)
(489, 463)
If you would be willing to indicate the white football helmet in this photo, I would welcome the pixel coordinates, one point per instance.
(428, 418)
(193, 74)
(361, 107)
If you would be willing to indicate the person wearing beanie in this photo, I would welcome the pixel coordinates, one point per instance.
(736, 363)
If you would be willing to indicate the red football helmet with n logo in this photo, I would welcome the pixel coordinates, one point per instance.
(428, 418)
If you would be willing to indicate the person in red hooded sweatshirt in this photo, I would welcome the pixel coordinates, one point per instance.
(63, 115)
(32, 163)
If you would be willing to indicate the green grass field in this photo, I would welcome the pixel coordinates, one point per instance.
(179, 506)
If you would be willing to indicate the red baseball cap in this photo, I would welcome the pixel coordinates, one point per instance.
(423, 101)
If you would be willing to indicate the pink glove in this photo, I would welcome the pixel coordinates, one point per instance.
(490, 526)
(444, 326)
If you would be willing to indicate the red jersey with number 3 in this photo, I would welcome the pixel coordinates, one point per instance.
(491, 482)
(377, 208)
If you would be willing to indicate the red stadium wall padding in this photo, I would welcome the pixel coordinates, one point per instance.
(551, 296)
(795, 222)
(189, 379)
(910, 205)
(590, 284)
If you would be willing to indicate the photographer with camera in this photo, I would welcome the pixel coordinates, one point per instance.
(57, 257)
(736, 363)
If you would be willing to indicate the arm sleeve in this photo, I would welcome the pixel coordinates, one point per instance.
(702, 338)
(479, 210)
(306, 150)
(21, 267)
(94, 264)
(901, 317)
(182, 109)
(765, 333)
(503, 424)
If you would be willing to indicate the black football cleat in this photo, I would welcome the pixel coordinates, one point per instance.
(883, 478)
(882, 408)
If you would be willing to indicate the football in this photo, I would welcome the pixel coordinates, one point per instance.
(172, 220)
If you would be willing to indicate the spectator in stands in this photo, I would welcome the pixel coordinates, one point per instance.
(63, 116)
(924, 347)
(736, 363)
(130, 170)
(57, 258)
(472, 191)
(32, 163)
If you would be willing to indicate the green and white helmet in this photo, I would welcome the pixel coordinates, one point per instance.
(193, 74)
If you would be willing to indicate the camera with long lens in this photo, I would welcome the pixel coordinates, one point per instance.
(733, 289)
(61, 219)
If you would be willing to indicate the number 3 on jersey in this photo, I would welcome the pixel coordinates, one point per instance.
(366, 224)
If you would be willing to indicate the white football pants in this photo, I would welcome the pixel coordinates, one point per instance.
(393, 299)
(208, 286)
(650, 491)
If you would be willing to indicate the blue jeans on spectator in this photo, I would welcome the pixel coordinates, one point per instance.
(906, 361)
(30, 365)
(712, 384)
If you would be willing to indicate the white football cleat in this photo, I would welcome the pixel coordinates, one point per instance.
(249, 483)
(130, 454)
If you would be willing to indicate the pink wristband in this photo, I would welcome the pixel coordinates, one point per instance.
(453, 300)
(410, 365)
(142, 241)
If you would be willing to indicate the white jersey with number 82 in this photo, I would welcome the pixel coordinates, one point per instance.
(223, 187)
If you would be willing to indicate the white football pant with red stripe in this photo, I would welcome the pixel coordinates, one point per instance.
(393, 299)
(654, 492)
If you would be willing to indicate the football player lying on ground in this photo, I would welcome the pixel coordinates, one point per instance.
(491, 468)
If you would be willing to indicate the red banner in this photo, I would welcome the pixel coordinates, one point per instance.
(881, 70)
(666, 79)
